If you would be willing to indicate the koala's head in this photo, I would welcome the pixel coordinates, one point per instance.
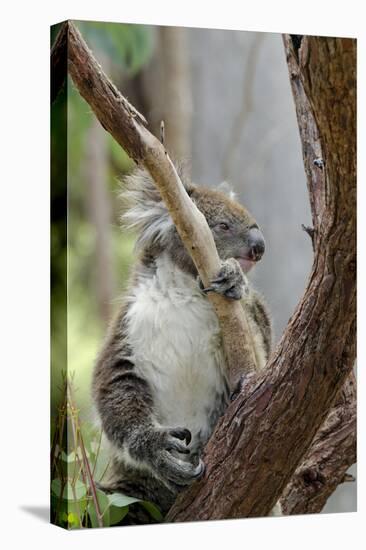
(234, 229)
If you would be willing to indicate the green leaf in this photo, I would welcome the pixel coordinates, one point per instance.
(119, 500)
(56, 486)
(93, 515)
(72, 520)
(103, 502)
(153, 510)
(104, 510)
(69, 493)
(68, 458)
(117, 514)
(79, 489)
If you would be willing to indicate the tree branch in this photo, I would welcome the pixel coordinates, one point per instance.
(128, 127)
(333, 450)
(325, 465)
(59, 61)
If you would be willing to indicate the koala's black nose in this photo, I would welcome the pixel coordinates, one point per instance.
(256, 244)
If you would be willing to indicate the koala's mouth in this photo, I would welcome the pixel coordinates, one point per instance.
(246, 263)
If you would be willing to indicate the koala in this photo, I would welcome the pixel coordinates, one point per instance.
(160, 383)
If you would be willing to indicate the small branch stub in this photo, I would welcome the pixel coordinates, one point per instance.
(162, 132)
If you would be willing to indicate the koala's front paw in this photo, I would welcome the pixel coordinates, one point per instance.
(171, 458)
(230, 281)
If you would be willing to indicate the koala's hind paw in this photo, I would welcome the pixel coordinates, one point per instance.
(179, 472)
(172, 458)
(230, 281)
(182, 433)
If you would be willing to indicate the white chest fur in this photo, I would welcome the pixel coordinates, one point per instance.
(174, 334)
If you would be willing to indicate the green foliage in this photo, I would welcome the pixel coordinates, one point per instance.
(77, 465)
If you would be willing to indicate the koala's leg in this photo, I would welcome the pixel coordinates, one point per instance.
(230, 281)
(140, 484)
(126, 407)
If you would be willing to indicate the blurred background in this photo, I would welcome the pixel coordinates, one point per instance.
(229, 115)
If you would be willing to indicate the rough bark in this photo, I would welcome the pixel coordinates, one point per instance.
(128, 127)
(333, 450)
(326, 463)
(262, 438)
(58, 62)
(268, 429)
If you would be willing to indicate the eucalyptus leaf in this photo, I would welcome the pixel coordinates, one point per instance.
(119, 500)
(104, 510)
(117, 514)
(56, 487)
(153, 510)
(70, 492)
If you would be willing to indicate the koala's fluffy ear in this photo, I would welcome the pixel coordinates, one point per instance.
(143, 210)
(227, 189)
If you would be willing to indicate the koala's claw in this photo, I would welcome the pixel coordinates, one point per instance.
(179, 447)
(184, 473)
(230, 281)
(182, 433)
(179, 472)
(172, 458)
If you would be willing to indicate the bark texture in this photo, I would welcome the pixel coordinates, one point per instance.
(263, 436)
(59, 62)
(128, 127)
(326, 463)
(333, 450)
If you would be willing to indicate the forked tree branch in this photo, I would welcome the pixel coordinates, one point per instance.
(268, 429)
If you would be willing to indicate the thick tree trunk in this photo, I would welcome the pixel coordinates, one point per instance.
(268, 429)
(333, 450)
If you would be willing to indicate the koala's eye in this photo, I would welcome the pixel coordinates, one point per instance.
(223, 226)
